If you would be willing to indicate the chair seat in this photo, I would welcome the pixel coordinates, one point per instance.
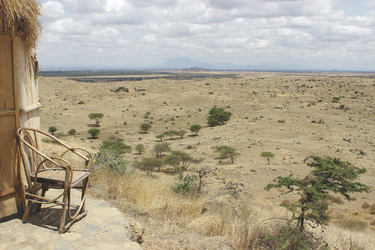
(56, 177)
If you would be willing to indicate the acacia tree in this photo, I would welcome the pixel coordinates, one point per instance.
(179, 158)
(149, 164)
(160, 137)
(145, 127)
(117, 146)
(181, 133)
(94, 132)
(97, 117)
(186, 159)
(267, 155)
(194, 128)
(52, 130)
(227, 152)
(159, 149)
(140, 148)
(328, 174)
(171, 133)
(172, 160)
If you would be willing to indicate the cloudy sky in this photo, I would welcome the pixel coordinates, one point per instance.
(138, 34)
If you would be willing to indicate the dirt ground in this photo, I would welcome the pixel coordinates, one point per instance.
(293, 115)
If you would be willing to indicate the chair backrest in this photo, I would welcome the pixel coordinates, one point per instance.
(29, 149)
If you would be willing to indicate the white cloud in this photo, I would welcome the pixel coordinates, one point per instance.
(52, 10)
(241, 31)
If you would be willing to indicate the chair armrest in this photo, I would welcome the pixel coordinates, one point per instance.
(83, 154)
(57, 163)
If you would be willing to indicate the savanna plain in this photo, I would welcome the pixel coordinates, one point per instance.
(292, 115)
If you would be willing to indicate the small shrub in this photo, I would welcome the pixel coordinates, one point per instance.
(365, 205)
(52, 130)
(187, 182)
(94, 132)
(72, 131)
(140, 148)
(336, 200)
(110, 161)
(195, 128)
(218, 117)
(116, 146)
(353, 224)
(145, 127)
(372, 209)
(267, 155)
(335, 99)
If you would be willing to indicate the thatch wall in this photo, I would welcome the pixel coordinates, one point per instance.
(19, 107)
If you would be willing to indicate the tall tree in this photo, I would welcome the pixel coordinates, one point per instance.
(97, 117)
(328, 174)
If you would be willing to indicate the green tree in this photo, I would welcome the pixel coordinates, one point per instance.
(117, 146)
(186, 182)
(145, 127)
(159, 149)
(267, 155)
(181, 133)
(218, 117)
(328, 174)
(97, 117)
(172, 160)
(186, 159)
(110, 160)
(52, 130)
(171, 133)
(72, 131)
(94, 132)
(160, 137)
(149, 164)
(194, 128)
(227, 152)
(140, 148)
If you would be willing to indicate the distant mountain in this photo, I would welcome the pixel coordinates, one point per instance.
(195, 69)
(184, 63)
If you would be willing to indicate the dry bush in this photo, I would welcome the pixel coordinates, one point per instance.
(365, 205)
(336, 200)
(148, 193)
(340, 239)
(372, 209)
(352, 224)
(171, 212)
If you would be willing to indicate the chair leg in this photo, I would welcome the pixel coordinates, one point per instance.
(84, 188)
(63, 212)
(44, 190)
(27, 211)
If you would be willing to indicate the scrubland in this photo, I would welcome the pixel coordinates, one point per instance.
(293, 115)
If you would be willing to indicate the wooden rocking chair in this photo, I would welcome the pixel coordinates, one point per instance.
(44, 172)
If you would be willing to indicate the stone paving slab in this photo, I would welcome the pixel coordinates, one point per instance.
(104, 227)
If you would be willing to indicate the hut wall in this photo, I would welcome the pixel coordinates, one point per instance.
(18, 108)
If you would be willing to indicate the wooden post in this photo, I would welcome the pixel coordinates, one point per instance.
(19, 107)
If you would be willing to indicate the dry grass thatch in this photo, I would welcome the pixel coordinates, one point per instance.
(20, 17)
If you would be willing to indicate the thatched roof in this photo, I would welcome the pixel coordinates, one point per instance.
(20, 17)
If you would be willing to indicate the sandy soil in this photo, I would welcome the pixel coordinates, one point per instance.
(290, 114)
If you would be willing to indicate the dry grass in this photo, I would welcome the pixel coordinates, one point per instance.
(198, 221)
(352, 224)
(173, 221)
